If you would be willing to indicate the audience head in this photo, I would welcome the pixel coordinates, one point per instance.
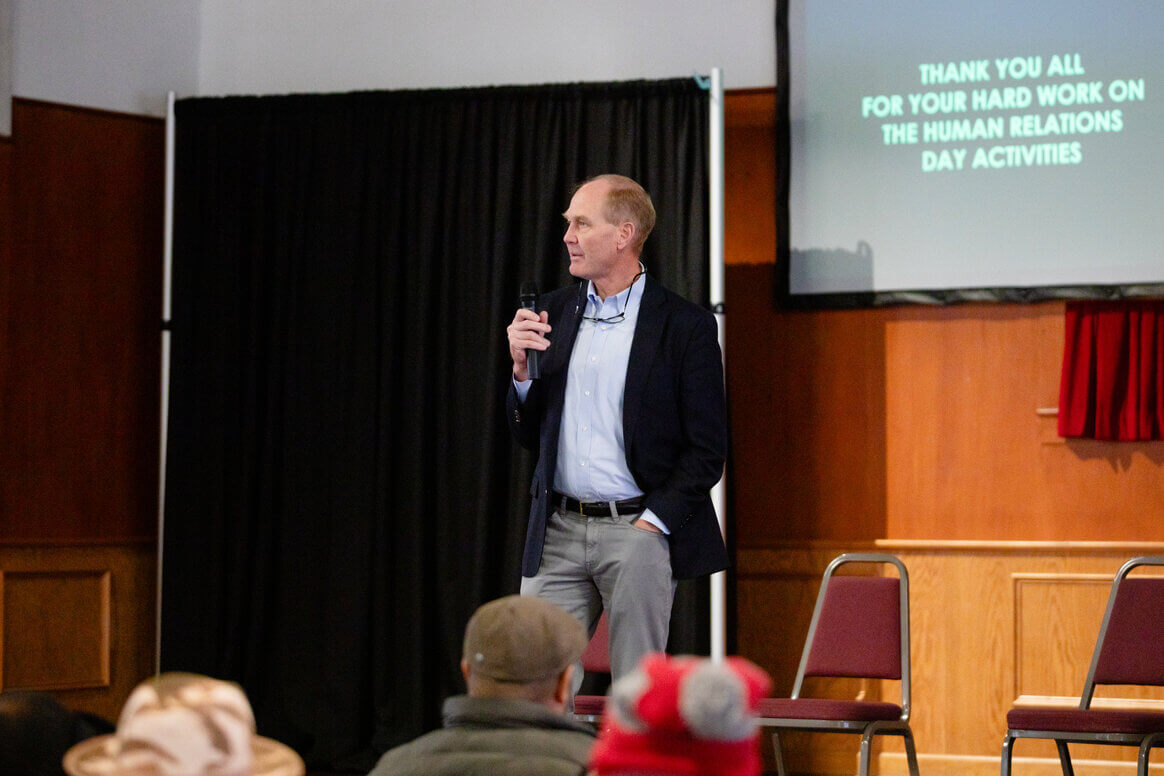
(522, 648)
(682, 716)
(36, 730)
(184, 725)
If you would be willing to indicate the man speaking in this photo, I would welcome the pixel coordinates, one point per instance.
(628, 420)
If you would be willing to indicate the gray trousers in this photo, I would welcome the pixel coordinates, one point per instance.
(594, 563)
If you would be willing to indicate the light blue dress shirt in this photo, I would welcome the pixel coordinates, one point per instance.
(591, 450)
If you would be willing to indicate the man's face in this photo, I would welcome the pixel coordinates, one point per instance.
(592, 242)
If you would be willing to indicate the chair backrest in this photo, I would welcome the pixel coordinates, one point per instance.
(860, 626)
(596, 656)
(1129, 647)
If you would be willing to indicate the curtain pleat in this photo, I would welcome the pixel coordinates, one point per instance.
(1112, 384)
(341, 489)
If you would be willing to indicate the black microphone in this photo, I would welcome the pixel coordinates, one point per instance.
(529, 301)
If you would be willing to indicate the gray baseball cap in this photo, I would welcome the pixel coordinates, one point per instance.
(522, 639)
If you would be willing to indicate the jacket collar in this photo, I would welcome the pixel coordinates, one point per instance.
(466, 711)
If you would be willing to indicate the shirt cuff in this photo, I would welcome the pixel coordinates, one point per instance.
(651, 518)
(522, 388)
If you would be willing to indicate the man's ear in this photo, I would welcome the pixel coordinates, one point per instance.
(465, 671)
(626, 233)
(565, 685)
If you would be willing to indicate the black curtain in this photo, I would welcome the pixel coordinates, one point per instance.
(341, 488)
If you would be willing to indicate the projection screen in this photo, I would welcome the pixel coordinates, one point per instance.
(938, 152)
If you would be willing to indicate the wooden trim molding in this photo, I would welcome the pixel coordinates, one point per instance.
(809, 557)
(144, 542)
(1024, 547)
(894, 764)
(1068, 702)
(86, 110)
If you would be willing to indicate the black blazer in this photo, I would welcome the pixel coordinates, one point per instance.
(674, 421)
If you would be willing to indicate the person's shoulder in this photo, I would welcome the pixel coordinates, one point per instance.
(475, 744)
(558, 300)
(681, 306)
(572, 286)
(563, 293)
(409, 756)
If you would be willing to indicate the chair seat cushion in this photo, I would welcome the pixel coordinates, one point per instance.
(826, 708)
(1054, 719)
(589, 704)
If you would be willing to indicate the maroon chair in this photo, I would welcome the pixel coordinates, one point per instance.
(1129, 651)
(859, 628)
(595, 660)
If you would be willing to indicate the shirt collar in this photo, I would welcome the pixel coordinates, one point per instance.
(623, 300)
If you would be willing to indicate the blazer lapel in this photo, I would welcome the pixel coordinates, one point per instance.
(563, 336)
(644, 348)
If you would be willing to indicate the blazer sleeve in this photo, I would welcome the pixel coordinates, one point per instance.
(525, 418)
(699, 445)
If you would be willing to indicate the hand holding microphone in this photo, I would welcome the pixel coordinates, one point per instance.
(527, 335)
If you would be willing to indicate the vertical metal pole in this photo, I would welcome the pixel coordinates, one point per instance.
(167, 265)
(716, 208)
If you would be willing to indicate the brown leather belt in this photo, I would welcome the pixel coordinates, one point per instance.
(627, 506)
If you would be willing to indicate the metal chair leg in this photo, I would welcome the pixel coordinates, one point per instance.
(883, 727)
(1007, 744)
(780, 769)
(1146, 746)
(888, 729)
(1065, 758)
(910, 752)
(866, 747)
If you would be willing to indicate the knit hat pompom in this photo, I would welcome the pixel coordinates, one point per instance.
(685, 716)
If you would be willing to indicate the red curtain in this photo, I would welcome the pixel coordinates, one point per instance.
(1112, 386)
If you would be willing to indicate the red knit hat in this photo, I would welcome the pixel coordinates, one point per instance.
(683, 716)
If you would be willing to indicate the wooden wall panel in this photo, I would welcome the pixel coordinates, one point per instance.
(806, 399)
(79, 399)
(78, 622)
(5, 188)
(917, 424)
(1049, 651)
(5, 262)
(56, 629)
(967, 456)
(749, 178)
(81, 196)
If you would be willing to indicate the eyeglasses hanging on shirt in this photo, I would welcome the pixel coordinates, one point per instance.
(621, 315)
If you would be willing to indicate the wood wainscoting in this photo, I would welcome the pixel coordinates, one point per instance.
(993, 623)
(78, 622)
(81, 202)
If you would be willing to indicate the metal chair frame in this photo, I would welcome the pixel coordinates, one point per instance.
(1145, 741)
(866, 729)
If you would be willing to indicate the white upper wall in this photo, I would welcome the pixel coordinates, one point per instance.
(125, 55)
(283, 46)
(121, 55)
